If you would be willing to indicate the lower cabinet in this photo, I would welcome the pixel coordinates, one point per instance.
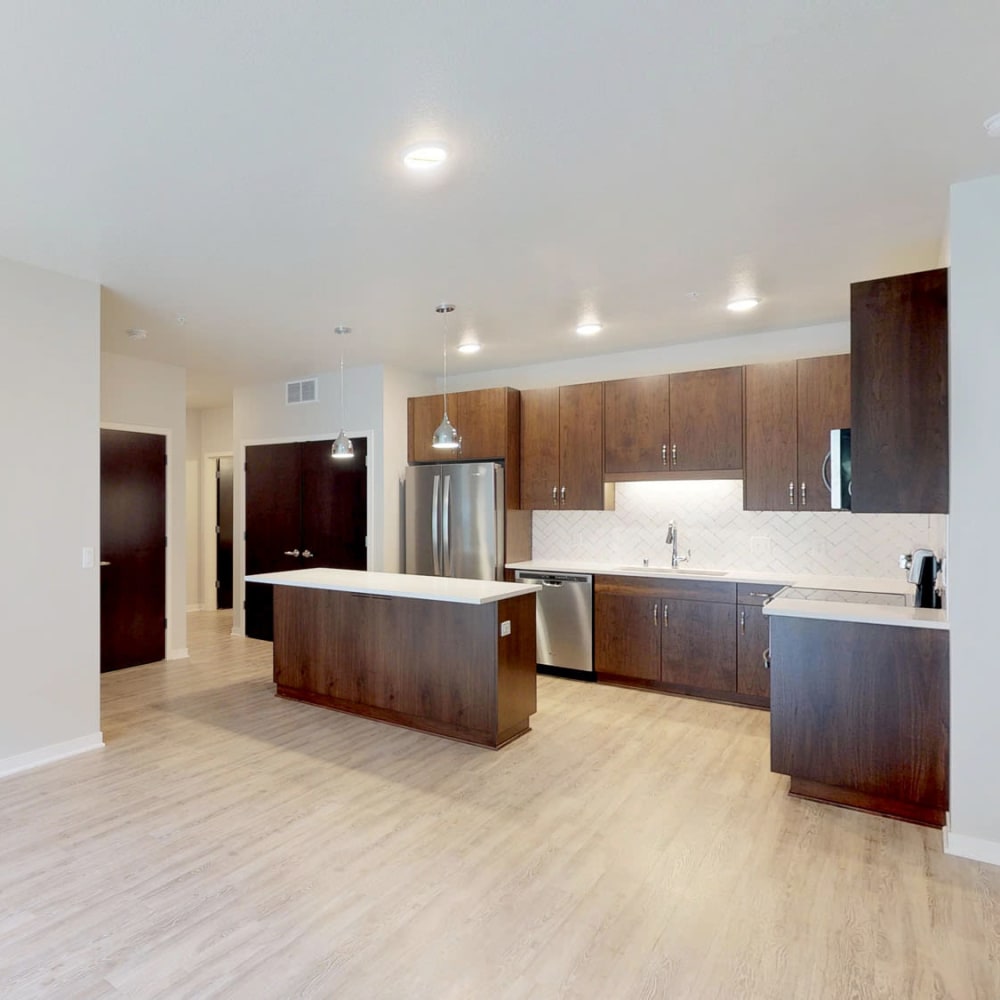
(681, 636)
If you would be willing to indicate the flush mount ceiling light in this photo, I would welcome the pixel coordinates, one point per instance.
(469, 344)
(343, 446)
(743, 305)
(992, 126)
(425, 155)
(136, 334)
(589, 329)
(445, 437)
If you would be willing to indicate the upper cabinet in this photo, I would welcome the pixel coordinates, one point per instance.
(899, 394)
(669, 426)
(791, 407)
(561, 449)
(488, 422)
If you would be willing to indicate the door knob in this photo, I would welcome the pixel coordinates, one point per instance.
(306, 554)
(292, 552)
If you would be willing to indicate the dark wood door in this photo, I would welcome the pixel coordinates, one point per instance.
(637, 424)
(770, 470)
(824, 402)
(699, 645)
(540, 449)
(581, 451)
(706, 420)
(627, 636)
(753, 678)
(899, 394)
(224, 533)
(273, 526)
(133, 548)
(334, 507)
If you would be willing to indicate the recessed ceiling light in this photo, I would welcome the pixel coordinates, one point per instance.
(588, 329)
(425, 155)
(469, 347)
(136, 334)
(743, 305)
(992, 126)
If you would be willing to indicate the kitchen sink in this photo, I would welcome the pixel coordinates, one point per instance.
(668, 571)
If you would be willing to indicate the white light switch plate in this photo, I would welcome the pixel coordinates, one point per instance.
(88, 558)
(505, 628)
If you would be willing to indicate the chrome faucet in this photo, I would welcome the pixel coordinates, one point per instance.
(675, 559)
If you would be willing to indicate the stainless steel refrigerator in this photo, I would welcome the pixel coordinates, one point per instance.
(455, 519)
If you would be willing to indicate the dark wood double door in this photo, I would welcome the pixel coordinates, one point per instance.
(303, 509)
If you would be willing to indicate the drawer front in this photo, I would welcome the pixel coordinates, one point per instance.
(669, 588)
(757, 593)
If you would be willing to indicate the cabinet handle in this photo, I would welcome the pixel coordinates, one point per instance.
(666, 615)
(663, 454)
(802, 493)
(555, 496)
(562, 495)
(743, 623)
(656, 614)
(292, 552)
(306, 554)
(767, 658)
(673, 454)
(791, 493)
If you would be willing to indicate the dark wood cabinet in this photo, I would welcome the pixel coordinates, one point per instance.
(899, 394)
(673, 426)
(488, 422)
(627, 635)
(791, 407)
(698, 652)
(753, 675)
(562, 455)
(859, 715)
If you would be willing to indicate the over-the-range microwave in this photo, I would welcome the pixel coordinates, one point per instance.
(839, 459)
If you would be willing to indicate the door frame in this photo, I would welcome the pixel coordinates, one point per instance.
(240, 502)
(206, 542)
(169, 610)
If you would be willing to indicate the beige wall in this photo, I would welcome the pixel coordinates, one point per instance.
(49, 512)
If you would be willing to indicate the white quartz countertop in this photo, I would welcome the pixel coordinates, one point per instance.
(877, 614)
(421, 588)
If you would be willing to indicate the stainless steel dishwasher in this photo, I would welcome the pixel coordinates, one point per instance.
(564, 616)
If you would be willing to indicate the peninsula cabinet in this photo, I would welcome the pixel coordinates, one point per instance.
(667, 634)
(899, 394)
(791, 408)
(675, 426)
(562, 457)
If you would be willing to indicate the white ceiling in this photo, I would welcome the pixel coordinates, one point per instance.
(236, 165)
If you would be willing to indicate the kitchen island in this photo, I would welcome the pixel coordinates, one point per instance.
(451, 657)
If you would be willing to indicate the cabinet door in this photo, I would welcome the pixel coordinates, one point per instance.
(481, 419)
(540, 449)
(706, 420)
(824, 402)
(627, 636)
(899, 394)
(770, 481)
(752, 676)
(699, 645)
(637, 424)
(423, 416)
(581, 449)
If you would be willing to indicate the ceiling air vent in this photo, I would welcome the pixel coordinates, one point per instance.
(303, 391)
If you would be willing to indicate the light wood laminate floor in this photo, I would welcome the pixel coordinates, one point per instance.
(227, 843)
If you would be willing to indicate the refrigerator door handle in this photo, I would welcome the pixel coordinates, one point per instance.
(435, 531)
(446, 525)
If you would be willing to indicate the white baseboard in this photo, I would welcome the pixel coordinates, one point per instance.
(238, 632)
(972, 847)
(178, 654)
(195, 607)
(51, 753)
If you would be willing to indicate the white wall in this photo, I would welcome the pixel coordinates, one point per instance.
(261, 415)
(192, 510)
(217, 431)
(145, 395)
(756, 348)
(974, 363)
(49, 511)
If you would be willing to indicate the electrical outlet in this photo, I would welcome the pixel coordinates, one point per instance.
(504, 628)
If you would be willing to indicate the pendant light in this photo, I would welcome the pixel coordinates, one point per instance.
(343, 447)
(446, 437)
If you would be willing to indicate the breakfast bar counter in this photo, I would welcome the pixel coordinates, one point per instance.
(451, 657)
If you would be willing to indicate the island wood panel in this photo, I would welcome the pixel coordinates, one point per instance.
(859, 714)
(428, 665)
(540, 449)
(706, 419)
(581, 452)
(824, 402)
(637, 425)
(899, 394)
(699, 645)
(771, 470)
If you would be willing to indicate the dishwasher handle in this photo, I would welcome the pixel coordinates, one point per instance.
(550, 579)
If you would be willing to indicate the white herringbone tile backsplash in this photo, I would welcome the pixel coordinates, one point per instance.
(712, 523)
